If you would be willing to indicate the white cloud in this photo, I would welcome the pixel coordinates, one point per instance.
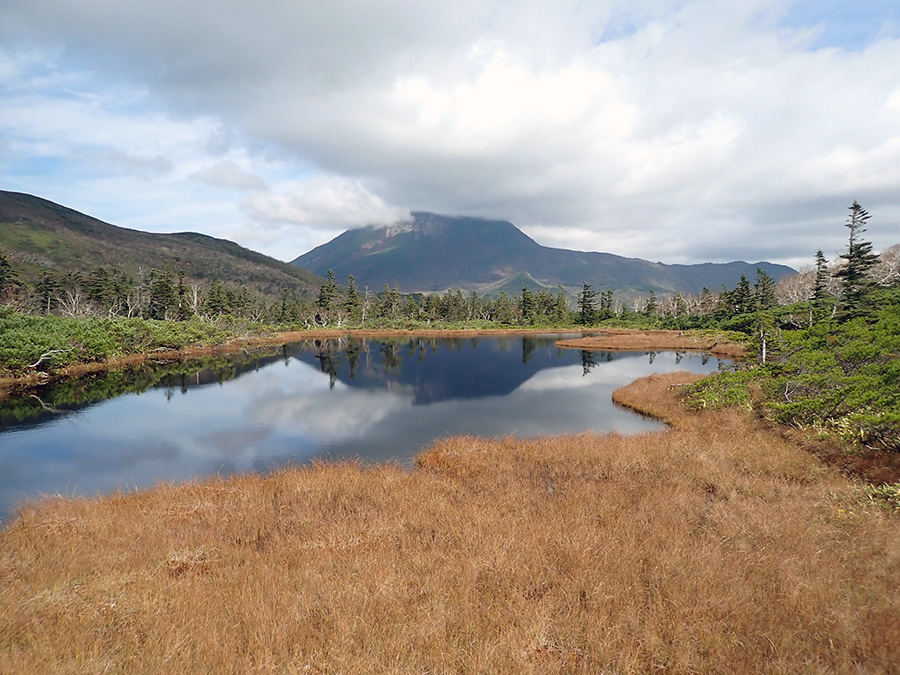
(671, 130)
(227, 175)
(321, 201)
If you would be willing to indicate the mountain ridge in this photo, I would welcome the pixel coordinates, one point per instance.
(39, 234)
(434, 253)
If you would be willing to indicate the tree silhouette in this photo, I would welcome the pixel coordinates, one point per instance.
(528, 306)
(820, 294)
(764, 290)
(856, 284)
(587, 304)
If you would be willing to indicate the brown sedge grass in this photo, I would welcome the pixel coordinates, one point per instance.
(715, 546)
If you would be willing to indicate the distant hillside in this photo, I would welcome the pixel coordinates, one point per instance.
(435, 253)
(38, 234)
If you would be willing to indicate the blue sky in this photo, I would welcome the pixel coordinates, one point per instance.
(673, 130)
(845, 25)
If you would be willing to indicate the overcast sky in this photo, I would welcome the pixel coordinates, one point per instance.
(672, 130)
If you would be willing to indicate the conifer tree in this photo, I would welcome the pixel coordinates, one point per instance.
(48, 287)
(561, 309)
(606, 304)
(352, 302)
(329, 294)
(587, 304)
(764, 290)
(181, 299)
(98, 286)
(216, 301)
(742, 297)
(651, 303)
(527, 306)
(856, 285)
(503, 308)
(707, 302)
(162, 293)
(390, 302)
(820, 292)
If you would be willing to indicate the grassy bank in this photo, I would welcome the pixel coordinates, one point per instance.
(717, 546)
(719, 343)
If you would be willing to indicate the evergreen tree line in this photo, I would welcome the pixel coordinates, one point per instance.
(351, 306)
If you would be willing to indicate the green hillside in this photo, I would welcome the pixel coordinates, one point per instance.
(39, 235)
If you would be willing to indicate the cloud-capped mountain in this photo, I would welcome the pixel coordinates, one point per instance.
(432, 252)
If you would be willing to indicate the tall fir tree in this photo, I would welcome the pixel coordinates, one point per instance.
(820, 294)
(98, 286)
(329, 295)
(48, 288)
(652, 304)
(606, 304)
(528, 306)
(561, 308)
(856, 284)
(181, 299)
(764, 290)
(352, 303)
(587, 305)
(741, 297)
(162, 293)
(216, 300)
(707, 302)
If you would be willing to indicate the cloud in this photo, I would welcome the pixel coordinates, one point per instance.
(228, 175)
(672, 130)
(321, 201)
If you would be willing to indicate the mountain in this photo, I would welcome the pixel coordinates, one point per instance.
(38, 234)
(434, 253)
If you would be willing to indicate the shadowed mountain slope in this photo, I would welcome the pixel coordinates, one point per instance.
(434, 253)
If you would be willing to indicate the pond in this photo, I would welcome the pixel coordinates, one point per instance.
(377, 400)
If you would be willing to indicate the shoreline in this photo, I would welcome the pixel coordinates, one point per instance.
(615, 339)
(635, 339)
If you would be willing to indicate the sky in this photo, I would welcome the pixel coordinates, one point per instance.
(681, 131)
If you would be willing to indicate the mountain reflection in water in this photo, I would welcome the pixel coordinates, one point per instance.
(380, 400)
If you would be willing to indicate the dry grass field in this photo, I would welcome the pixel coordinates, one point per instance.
(714, 547)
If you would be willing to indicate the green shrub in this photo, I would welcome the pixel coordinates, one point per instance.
(886, 496)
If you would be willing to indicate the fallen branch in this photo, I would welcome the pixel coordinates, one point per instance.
(49, 355)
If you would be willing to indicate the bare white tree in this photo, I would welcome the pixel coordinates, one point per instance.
(796, 287)
(194, 298)
(72, 304)
(887, 270)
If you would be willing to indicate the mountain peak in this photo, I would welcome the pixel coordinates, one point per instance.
(432, 252)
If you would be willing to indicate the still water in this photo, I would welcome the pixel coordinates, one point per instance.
(379, 400)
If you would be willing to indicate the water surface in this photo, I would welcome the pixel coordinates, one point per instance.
(379, 400)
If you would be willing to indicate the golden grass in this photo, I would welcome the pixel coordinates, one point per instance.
(640, 339)
(716, 546)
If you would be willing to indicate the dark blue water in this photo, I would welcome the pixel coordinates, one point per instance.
(373, 399)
